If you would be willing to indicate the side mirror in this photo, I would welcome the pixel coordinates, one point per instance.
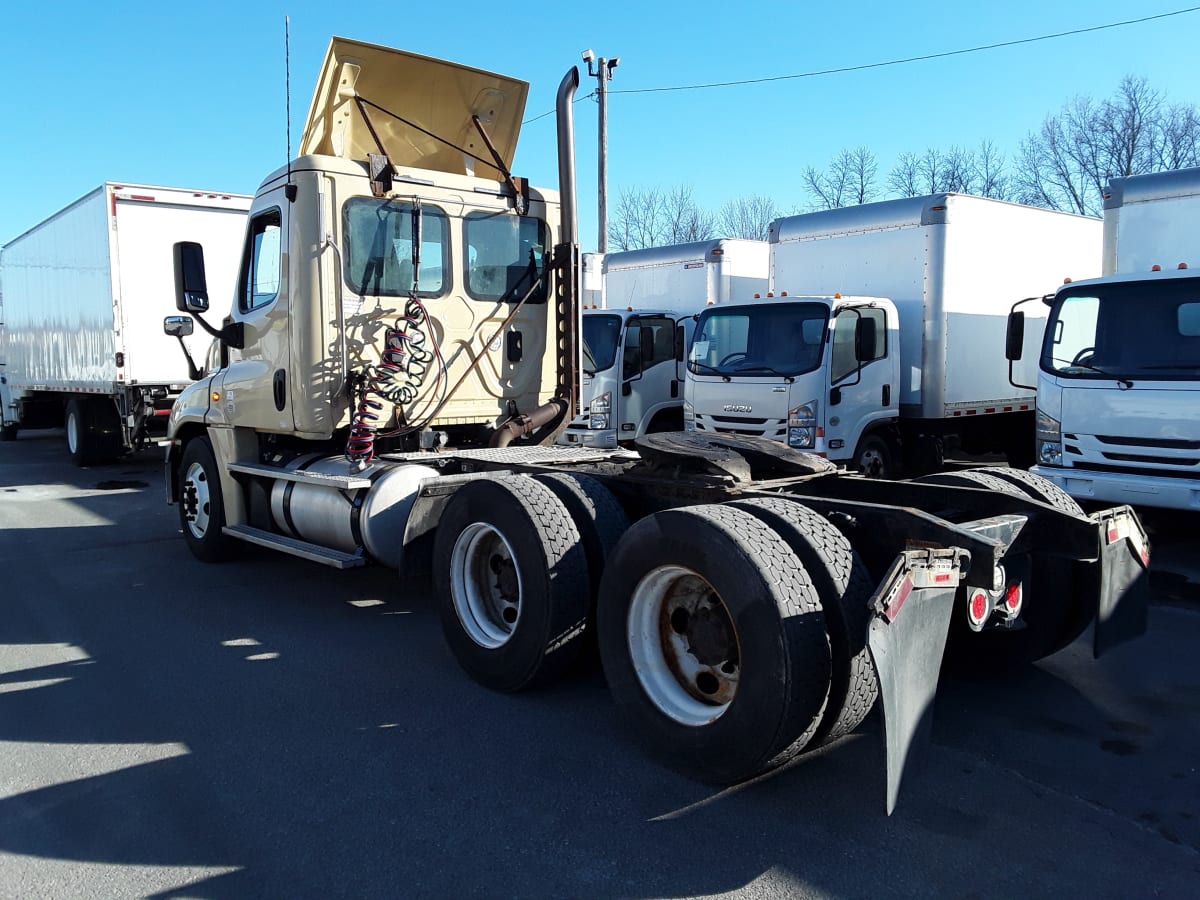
(680, 343)
(1014, 341)
(647, 346)
(864, 339)
(191, 288)
(177, 326)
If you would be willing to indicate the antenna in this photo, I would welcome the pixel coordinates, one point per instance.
(290, 189)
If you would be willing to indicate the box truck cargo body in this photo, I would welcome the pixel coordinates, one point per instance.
(637, 318)
(952, 265)
(85, 293)
(1118, 389)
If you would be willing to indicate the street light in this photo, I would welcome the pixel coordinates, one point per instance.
(602, 72)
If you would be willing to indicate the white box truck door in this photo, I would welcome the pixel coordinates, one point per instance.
(146, 229)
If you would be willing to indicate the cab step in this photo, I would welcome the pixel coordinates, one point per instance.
(314, 552)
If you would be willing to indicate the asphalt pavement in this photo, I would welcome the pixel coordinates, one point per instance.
(270, 727)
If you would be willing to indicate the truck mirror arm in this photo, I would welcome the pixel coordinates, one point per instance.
(233, 334)
(1014, 339)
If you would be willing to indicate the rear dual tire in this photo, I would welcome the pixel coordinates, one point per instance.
(511, 576)
(93, 430)
(713, 642)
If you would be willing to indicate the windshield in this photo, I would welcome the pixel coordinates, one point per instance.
(379, 245)
(1145, 329)
(769, 339)
(601, 334)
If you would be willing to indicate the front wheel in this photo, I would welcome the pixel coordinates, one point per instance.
(874, 457)
(201, 504)
(713, 642)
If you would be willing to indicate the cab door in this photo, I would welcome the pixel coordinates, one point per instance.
(254, 388)
(861, 391)
(648, 374)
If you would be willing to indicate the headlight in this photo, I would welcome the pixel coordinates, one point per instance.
(1049, 440)
(689, 416)
(601, 407)
(802, 426)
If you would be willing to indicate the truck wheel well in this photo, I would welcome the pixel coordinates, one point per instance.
(182, 438)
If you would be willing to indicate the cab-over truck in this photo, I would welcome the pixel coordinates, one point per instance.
(401, 350)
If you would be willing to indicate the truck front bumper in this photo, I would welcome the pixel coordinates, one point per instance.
(1118, 487)
(585, 437)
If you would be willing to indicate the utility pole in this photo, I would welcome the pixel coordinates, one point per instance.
(603, 74)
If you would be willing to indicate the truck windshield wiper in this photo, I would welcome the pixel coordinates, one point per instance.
(1088, 367)
(1166, 367)
(765, 370)
(706, 367)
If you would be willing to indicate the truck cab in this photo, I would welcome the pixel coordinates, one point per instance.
(395, 279)
(1118, 386)
(632, 376)
(819, 372)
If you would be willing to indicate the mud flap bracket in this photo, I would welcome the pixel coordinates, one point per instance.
(907, 638)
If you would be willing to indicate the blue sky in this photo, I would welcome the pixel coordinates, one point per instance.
(193, 95)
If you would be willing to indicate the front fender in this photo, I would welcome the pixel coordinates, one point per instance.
(191, 407)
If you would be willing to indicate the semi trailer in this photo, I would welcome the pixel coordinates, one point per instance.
(402, 349)
(80, 344)
(1118, 379)
(934, 278)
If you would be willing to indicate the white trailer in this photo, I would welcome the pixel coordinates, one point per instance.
(1118, 388)
(637, 318)
(85, 292)
(935, 277)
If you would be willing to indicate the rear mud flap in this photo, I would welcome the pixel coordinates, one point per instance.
(907, 637)
(1124, 594)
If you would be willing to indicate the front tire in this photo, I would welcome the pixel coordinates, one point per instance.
(201, 504)
(511, 577)
(873, 457)
(713, 642)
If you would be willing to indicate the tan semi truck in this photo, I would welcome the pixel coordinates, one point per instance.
(400, 354)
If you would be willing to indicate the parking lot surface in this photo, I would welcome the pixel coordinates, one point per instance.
(274, 728)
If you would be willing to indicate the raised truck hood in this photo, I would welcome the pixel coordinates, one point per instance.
(439, 96)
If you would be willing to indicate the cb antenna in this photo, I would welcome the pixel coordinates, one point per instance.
(289, 189)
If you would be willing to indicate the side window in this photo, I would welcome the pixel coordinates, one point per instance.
(262, 263)
(841, 359)
(661, 350)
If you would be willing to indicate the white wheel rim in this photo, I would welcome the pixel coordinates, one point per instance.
(196, 500)
(871, 462)
(72, 432)
(485, 585)
(683, 645)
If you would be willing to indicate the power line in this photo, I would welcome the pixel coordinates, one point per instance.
(910, 59)
(890, 62)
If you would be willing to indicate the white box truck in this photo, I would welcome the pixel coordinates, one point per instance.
(932, 280)
(84, 295)
(1118, 386)
(638, 316)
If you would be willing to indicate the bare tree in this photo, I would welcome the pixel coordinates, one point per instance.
(1067, 163)
(849, 179)
(653, 217)
(992, 179)
(683, 220)
(748, 216)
